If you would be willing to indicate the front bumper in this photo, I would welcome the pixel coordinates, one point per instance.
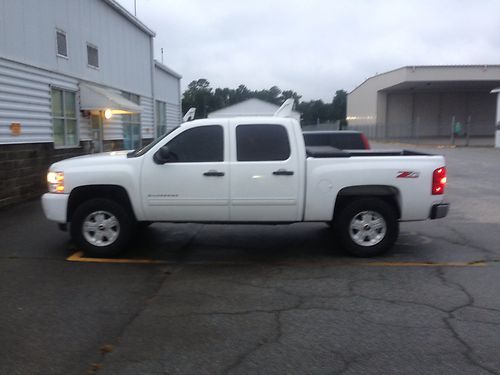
(439, 210)
(55, 206)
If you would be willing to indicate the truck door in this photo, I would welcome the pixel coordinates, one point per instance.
(193, 185)
(264, 173)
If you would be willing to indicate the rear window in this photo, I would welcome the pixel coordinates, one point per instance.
(262, 143)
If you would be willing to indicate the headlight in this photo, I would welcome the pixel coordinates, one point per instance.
(56, 182)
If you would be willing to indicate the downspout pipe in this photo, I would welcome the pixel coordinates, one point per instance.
(155, 125)
(497, 122)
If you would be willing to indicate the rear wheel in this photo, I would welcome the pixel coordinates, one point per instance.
(367, 227)
(101, 227)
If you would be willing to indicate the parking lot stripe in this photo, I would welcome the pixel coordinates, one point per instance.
(78, 257)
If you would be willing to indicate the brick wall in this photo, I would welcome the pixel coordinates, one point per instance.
(23, 167)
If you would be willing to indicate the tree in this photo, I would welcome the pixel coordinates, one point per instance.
(287, 94)
(339, 105)
(240, 94)
(199, 94)
(313, 112)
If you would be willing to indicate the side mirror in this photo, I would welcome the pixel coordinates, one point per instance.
(163, 155)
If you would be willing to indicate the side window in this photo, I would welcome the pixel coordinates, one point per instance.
(201, 144)
(62, 47)
(262, 143)
(64, 114)
(92, 56)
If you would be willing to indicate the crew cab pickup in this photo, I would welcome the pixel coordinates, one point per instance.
(244, 170)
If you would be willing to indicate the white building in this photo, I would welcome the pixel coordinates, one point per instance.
(249, 107)
(424, 101)
(65, 66)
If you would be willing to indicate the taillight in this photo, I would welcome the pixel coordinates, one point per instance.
(439, 181)
(366, 144)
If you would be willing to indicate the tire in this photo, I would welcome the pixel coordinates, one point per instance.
(101, 227)
(367, 227)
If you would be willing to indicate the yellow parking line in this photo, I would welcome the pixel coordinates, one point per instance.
(78, 257)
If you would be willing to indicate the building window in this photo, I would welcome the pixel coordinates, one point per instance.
(64, 118)
(92, 56)
(62, 47)
(161, 118)
(132, 125)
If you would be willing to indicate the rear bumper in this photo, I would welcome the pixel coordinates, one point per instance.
(439, 210)
(55, 206)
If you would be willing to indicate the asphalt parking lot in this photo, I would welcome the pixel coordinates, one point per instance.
(218, 299)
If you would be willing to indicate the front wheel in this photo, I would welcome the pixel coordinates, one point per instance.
(367, 227)
(101, 227)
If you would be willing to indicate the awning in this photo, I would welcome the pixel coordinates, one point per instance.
(93, 98)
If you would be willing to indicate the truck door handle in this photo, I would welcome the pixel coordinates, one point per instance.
(283, 172)
(213, 173)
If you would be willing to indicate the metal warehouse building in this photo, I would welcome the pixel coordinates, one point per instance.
(416, 102)
(76, 76)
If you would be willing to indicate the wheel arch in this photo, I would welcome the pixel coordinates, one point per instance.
(390, 194)
(115, 193)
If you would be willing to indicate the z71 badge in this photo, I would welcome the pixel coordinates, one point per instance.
(408, 174)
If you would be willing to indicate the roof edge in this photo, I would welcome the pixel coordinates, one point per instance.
(375, 76)
(129, 16)
(414, 67)
(166, 69)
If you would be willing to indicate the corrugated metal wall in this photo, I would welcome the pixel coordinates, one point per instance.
(147, 117)
(84, 129)
(430, 114)
(173, 115)
(113, 128)
(28, 35)
(25, 99)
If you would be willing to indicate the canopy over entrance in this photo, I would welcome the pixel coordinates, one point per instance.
(93, 98)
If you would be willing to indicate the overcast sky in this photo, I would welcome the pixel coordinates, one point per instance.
(316, 47)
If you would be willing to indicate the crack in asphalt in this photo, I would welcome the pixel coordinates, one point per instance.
(299, 301)
(463, 241)
(273, 340)
(469, 350)
(162, 277)
(299, 306)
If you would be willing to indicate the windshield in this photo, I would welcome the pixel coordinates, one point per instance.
(142, 151)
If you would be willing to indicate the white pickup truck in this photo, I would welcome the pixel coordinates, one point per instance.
(244, 170)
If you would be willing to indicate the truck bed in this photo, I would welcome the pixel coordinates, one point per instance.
(332, 152)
